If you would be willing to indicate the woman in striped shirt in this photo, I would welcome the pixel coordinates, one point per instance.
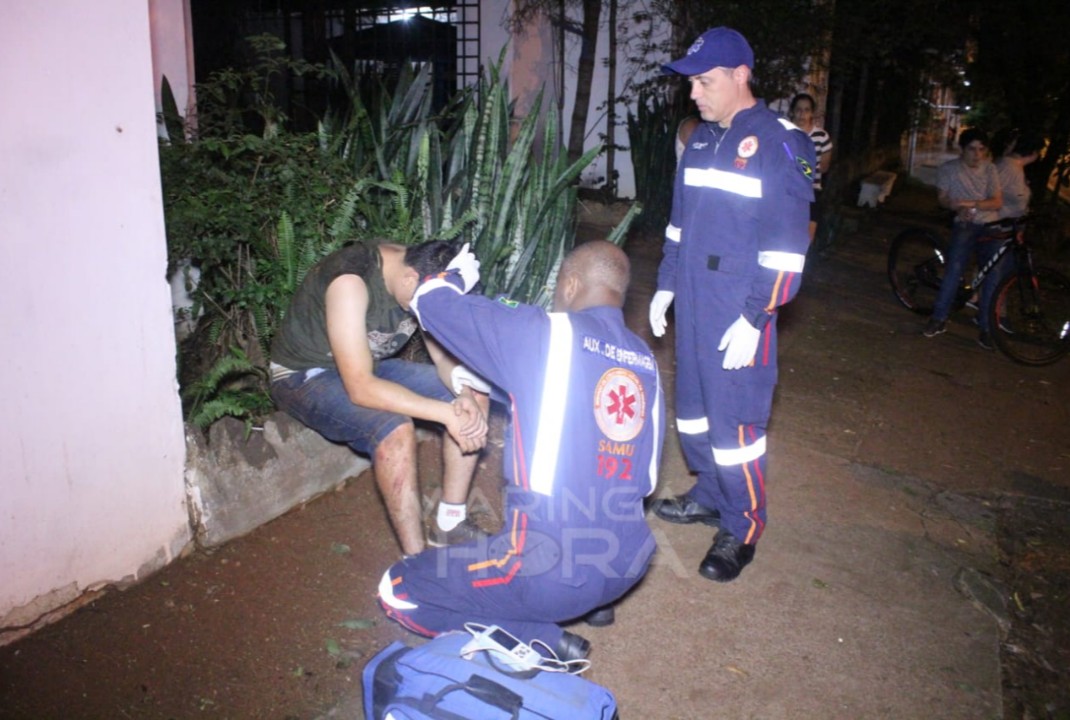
(801, 113)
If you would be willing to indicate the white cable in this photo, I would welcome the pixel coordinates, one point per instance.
(545, 659)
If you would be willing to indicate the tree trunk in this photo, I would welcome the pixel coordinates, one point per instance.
(874, 120)
(860, 107)
(611, 105)
(562, 18)
(592, 10)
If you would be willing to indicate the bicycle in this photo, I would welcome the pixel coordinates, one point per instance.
(1030, 312)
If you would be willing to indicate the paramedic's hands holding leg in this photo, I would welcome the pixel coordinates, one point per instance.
(739, 343)
(659, 305)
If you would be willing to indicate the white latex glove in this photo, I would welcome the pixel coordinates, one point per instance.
(461, 376)
(739, 343)
(659, 305)
(467, 265)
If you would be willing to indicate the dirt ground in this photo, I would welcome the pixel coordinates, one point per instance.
(279, 623)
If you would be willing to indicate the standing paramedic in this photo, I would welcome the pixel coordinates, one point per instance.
(582, 452)
(734, 252)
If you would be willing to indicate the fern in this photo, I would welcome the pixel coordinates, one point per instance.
(215, 394)
(343, 219)
(284, 241)
(242, 405)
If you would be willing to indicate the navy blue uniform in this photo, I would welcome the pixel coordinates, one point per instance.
(582, 451)
(735, 246)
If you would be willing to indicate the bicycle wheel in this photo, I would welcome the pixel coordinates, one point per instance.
(1030, 316)
(915, 269)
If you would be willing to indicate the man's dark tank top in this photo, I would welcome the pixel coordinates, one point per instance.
(301, 341)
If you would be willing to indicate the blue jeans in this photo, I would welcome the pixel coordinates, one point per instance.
(964, 240)
(317, 398)
(986, 250)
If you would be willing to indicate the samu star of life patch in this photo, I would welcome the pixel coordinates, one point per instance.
(619, 404)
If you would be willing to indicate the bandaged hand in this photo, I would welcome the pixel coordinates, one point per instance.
(659, 305)
(461, 376)
(739, 344)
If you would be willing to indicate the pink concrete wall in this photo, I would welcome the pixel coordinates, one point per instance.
(91, 442)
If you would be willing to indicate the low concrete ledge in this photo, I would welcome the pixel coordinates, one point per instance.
(234, 484)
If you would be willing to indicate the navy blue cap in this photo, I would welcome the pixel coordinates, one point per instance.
(719, 47)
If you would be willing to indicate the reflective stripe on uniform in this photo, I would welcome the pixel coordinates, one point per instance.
(653, 470)
(518, 531)
(554, 401)
(695, 426)
(722, 180)
(740, 455)
(788, 262)
(387, 596)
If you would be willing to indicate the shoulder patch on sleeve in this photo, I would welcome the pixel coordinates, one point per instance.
(801, 162)
(503, 300)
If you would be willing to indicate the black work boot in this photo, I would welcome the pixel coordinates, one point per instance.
(684, 511)
(726, 558)
(600, 617)
(572, 647)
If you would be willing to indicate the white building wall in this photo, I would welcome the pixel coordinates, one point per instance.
(91, 449)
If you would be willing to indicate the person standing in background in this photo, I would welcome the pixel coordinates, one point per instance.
(1020, 151)
(801, 113)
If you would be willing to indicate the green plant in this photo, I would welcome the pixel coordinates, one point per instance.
(463, 177)
(251, 212)
(651, 132)
(524, 206)
(229, 388)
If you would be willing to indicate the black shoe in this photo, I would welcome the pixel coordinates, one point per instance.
(934, 327)
(726, 558)
(600, 617)
(572, 647)
(683, 510)
(985, 341)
